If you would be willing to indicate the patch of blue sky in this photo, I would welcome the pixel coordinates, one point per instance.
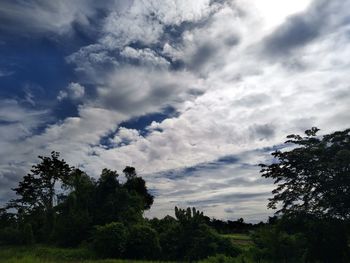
(140, 124)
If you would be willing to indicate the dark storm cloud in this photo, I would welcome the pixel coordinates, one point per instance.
(299, 30)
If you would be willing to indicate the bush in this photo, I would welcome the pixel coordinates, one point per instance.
(272, 243)
(110, 240)
(205, 241)
(326, 242)
(143, 243)
(219, 259)
(170, 241)
(326, 239)
(72, 229)
(10, 236)
(226, 247)
(27, 235)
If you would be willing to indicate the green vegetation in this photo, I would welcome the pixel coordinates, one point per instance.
(243, 241)
(44, 254)
(75, 218)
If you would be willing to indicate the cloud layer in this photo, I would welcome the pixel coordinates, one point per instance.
(237, 81)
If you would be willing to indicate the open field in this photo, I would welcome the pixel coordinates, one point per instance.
(243, 241)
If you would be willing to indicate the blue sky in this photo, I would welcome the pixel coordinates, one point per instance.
(194, 94)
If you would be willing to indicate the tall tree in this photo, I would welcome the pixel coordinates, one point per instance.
(314, 176)
(138, 185)
(37, 190)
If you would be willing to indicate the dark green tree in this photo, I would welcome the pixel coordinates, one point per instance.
(190, 238)
(138, 185)
(37, 192)
(38, 187)
(143, 243)
(110, 240)
(313, 176)
(74, 212)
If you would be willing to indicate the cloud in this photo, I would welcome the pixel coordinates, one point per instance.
(138, 90)
(319, 20)
(5, 73)
(214, 64)
(17, 124)
(145, 57)
(74, 91)
(214, 187)
(124, 136)
(144, 22)
(50, 17)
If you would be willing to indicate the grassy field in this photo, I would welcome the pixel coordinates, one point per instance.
(243, 241)
(42, 254)
(45, 254)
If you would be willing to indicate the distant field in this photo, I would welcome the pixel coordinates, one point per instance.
(241, 240)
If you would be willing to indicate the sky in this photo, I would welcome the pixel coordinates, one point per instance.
(194, 94)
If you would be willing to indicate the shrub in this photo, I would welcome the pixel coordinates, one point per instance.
(143, 243)
(10, 236)
(170, 241)
(272, 243)
(205, 241)
(27, 235)
(110, 240)
(72, 229)
(219, 259)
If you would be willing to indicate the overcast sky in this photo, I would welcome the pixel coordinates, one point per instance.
(194, 94)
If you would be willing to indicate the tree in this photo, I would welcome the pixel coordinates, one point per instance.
(138, 185)
(110, 240)
(38, 187)
(74, 211)
(37, 194)
(314, 176)
(143, 243)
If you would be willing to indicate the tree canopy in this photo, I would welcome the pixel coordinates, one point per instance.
(312, 174)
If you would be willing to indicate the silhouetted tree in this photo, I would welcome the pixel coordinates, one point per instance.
(138, 185)
(314, 176)
(37, 191)
(110, 240)
(74, 212)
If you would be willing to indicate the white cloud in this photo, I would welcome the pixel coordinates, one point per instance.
(74, 91)
(229, 98)
(5, 73)
(144, 21)
(125, 136)
(145, 56)
(140, 90)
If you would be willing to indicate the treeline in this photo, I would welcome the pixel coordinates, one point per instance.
(60, 205)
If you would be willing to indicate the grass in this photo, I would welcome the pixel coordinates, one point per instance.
(44, 254)
(243, 241)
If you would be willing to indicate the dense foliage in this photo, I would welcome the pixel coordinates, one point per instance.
(313, 189)
(313, 177)
(60, 205)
